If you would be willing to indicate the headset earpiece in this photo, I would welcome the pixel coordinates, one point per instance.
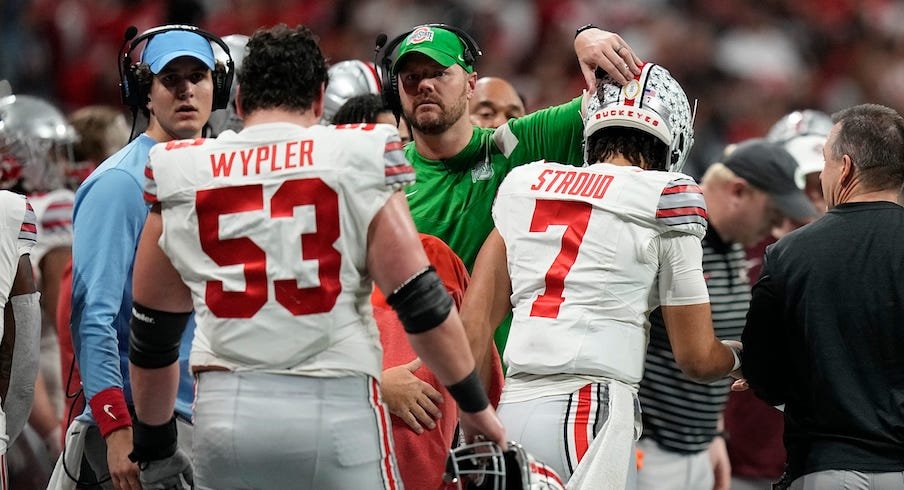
(222, 83)
(135, 90)
(390, 83)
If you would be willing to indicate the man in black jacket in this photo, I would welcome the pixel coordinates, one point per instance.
(825, 329)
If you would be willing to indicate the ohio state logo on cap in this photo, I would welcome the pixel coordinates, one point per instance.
(420, 35)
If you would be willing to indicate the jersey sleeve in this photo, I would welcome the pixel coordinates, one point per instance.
(681, 207)
(28, 232)
(398, 170)
(555, 134)
(681, 279)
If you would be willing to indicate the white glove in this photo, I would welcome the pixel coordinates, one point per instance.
(172, 473)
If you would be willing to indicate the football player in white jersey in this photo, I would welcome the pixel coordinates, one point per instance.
(20, 310)
(39, 156)
(273, 235)
(582, 256)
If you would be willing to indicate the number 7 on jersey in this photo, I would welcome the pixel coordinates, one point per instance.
(575, 215)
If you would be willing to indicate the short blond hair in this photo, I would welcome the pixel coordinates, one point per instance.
(718, 173)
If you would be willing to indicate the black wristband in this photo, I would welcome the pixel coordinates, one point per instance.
(469, 393)
(584, 28)
(153, 442)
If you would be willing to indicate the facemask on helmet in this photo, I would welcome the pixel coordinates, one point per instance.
(654, 103)
(485, 466)
(35, 144)
(803, 134)
(228, 119)
(348, 79)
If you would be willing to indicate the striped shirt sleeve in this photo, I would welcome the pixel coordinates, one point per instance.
(28, 232)
(150, 185)
(398, 170)
(682, 207)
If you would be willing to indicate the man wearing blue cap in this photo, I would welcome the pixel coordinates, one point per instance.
(176, 92)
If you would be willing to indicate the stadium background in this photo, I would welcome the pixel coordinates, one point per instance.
(747, 61)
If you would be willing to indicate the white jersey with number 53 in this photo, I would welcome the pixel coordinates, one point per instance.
(268, 227)
(591, 252)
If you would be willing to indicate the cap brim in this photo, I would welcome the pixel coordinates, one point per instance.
(438, 56)
(161, 62)
(795, 205)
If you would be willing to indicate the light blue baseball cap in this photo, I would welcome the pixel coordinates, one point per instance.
(167, 46)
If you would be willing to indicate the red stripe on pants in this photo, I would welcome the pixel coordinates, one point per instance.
(581, 419)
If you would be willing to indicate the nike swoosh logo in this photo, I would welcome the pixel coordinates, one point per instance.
(409, 194)
(107, 411)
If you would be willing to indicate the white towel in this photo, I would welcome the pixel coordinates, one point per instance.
(605, 465)
(75, 447)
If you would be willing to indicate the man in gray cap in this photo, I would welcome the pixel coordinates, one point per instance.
(746, 196)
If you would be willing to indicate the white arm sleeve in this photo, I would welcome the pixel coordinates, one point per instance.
(681, 279)
(19, 397)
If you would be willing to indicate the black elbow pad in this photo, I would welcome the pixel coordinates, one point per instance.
(155, 337)
(422, 302)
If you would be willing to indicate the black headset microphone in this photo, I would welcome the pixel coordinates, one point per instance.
(378, 45)
(130, 34)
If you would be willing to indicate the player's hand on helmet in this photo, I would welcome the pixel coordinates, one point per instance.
(596, 48)
(410, 398)
(172, 473)
(485, 425)
(123, 472)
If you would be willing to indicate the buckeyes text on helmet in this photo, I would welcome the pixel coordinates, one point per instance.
(653, 102)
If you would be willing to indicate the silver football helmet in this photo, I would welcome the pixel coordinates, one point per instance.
(223, 119)
(803, 134)
(485, 466)
(348, 79)
(35, 143)
(655, 103)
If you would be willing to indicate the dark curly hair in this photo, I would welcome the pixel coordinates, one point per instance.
(284, 68)
(631, 143)
(360, 109)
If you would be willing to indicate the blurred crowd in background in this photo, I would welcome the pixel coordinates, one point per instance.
(747, 62)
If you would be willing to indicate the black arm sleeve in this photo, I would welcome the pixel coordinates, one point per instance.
(155, 336)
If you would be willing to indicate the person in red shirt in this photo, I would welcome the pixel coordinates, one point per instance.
(420, 401)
